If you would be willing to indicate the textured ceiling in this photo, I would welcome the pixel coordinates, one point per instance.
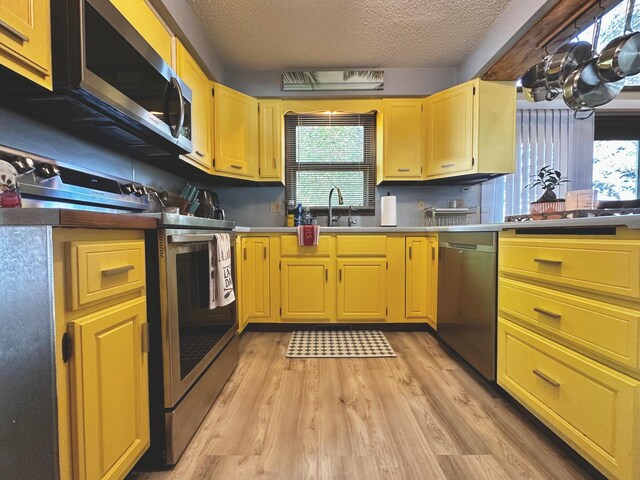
(278, 34)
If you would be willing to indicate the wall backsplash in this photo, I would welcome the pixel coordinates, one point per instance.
(250, 206)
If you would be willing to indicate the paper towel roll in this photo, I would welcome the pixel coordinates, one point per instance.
(388, 217)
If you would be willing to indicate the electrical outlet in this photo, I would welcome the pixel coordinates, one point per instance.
(276, 207)
(421, 205)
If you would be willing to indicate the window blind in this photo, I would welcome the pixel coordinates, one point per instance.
(543, 137)
(327, 150)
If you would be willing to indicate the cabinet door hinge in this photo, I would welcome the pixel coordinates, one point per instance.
(213, 161)
(387, 265)
(422, 108)
(386, 311)
(473, 161)
(67, 347)
(420, 170)
(280, 311)
(213, 92)
(259, 170)
(258, 108)
(279, 265)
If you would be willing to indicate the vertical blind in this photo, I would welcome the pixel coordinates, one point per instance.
(327, 150)
(543, 137)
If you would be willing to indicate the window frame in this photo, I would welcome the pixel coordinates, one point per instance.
(368, 167)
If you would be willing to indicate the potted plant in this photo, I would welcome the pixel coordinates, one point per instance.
(548, 178)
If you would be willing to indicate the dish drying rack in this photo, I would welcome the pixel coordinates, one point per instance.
(445, 217)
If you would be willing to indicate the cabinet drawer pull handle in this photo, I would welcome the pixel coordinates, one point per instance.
(548, 262)
(117, 271)
(244, 253)
(145, 337)
(448, 165)
(403, 169)
(265, 253)
(545, 377)
(409, 253)
(340, 275)
(433, 253)
(275, 165)
(237, 167)
(5, 26)
(199, 153)
(326, 275)
(547, 313)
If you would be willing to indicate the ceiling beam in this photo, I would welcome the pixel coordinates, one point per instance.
(556, 28)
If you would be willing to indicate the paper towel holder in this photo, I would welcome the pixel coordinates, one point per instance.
(388, 212)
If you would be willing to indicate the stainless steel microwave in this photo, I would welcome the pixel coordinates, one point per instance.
(109, 83)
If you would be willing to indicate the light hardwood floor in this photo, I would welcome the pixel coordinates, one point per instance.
(422, 415)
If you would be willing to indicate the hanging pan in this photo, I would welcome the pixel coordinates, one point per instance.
(534, 86)
(621, 57)
(563, 62)
(584, 90)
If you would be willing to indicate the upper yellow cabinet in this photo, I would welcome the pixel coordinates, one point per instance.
(188, 69)
(25, 39)
(146, 22)
(236, 133)
(403, 139)
(471, 130)
(270, 131)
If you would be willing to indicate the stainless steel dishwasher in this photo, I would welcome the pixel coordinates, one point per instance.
(467, 297)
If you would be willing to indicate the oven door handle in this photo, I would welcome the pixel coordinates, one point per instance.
(192, 237)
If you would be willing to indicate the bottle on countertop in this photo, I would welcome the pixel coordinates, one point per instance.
(298, 215)
(306, 216)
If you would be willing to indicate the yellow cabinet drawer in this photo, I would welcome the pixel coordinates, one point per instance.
(610, 267)
(101, 270)
(594, 408)
(608, 331)
(289, 246)
(361, 245)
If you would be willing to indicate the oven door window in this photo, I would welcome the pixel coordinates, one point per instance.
(200, 329)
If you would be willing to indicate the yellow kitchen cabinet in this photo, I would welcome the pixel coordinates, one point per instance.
(308, 289)
(235, 133)
(362, 289)
(109, 391)
(590, 406)
(255, 293)
(403, 150)
(25, 39)
(101, 373)
(421, 279)
(271, 136)
(470, 130)
(147, 23)
(201, 116)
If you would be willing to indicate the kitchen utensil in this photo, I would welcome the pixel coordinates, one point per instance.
(563, 62)
(621, 57)
(584, 89)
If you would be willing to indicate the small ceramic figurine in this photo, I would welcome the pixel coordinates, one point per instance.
(9, 194)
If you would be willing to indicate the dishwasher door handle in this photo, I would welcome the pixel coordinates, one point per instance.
(463, 246)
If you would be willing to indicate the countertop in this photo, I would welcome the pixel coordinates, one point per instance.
(58, 217)
(629, 221)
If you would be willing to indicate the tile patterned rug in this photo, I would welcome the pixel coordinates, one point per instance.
(339, 344)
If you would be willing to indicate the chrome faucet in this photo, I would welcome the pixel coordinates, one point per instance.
(340, 201)
(350, 220)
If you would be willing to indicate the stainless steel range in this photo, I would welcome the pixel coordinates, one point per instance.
(199, 346)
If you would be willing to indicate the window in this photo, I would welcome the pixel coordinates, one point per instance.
(616, 150)
(327, 150)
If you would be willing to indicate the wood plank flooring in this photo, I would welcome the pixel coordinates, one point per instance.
(422, 415)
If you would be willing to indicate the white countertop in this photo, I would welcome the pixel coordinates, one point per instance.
(630, 221)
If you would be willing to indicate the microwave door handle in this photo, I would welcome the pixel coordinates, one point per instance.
(176, 84)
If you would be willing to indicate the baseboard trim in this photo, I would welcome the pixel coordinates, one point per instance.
(385, 327)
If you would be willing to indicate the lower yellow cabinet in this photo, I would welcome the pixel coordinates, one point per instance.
(421, 279)
(592, 407)
(255, 294)
(308, 289)
(362, 289)
(109, 391)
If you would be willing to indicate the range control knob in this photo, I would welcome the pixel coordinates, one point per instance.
(141, 191)
(46, 170)
(23, 165)
(128, 188)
